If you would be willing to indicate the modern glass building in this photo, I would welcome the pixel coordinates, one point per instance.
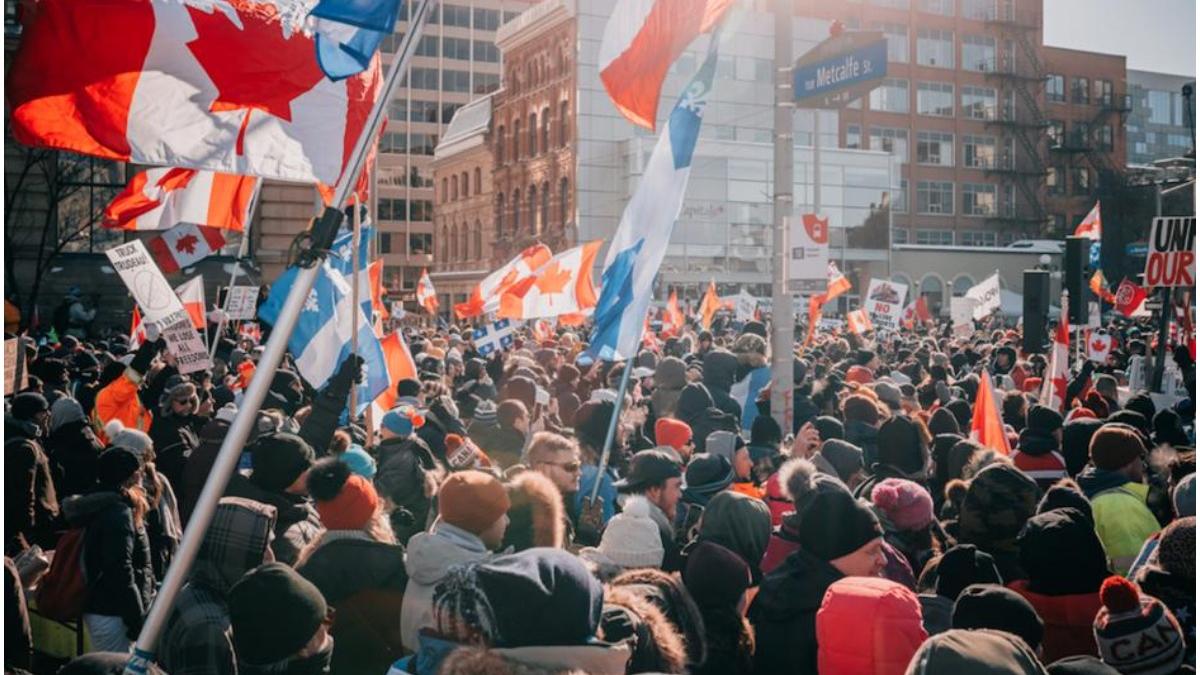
(1158, 126)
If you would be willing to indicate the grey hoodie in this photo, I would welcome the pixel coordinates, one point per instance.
(430, 555)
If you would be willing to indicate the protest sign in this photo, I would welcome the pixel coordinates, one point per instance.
(184, 343)
(986, 295)
(243, 302)
(885, 302)
(15, 376)
(809, 257)
(745, 305)
(1171, 259)
(146, 282)
(962, 315)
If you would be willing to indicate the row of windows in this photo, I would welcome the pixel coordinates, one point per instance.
(979, 10)
(450, 186)
(462, 17)
(978, 199)
(458, 48)
(391, 208)
(1081, 134)
(419, 243)
(1081, 182)
(934, 148)
(537, 134)
(531, 211)
(926, 237)
(397, 142)
(451, 80)
(1098, 91)
(453, 244)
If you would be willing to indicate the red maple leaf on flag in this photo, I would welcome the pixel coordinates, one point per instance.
(553, 280)
(233, 58)
(187, 244)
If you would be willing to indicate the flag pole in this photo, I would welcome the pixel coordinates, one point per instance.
(355, 261)
(324, 230)
(612, 422)
(243, 251)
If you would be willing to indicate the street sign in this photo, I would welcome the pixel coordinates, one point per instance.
(1137, 249)
(1171, 260)
(840, 69)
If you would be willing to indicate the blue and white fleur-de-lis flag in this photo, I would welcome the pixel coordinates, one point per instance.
(640, 243)
(321, 340)
(341, 257)
(493, 336)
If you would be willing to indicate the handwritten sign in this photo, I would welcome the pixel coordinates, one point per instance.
(242, 303)
(146, 282)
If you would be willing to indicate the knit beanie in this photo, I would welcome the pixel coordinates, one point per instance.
(860, 374)
(1080, 665)
(706, 475)
(591, 423)
(278, 459)
(1061, 554)
(715, 576)
(672, 432)
(1043, 419)
(906, 504)
(998, 502)
(1133, 419)
(1142, 404)
(273, 612)
(999, 608)
(631, 538)
(963, 566)
(900, 445)
(833, 524)
(1183, 496)
(1135, 633)
(472, 500)
(1114, 446)
(359, 461)
(344, 500)
(724, 443)
(741, 524)
(28, 404)
(1177, 548)
(1066, 496)
(137, 442)
(485, 413)
(829, 427)
(765, 432)
(404, 419)
(942, 422)
(859, 408)
(115, 466)
(845, 457)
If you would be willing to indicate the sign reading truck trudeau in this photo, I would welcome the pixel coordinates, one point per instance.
(1171, 259)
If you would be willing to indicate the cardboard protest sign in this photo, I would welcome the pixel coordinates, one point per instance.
(986, 295)
(146, 282)
(243, 302)
(1171, 258)
(885, 302)
(184, 343)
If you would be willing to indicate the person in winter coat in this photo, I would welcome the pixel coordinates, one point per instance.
(1170, 576)
(1077, 439)
(655, 477)
(999, 608)
(163, 525)
(279, 623)
(696, 409)
(500, 431)
(1115, 484)
(1037, 452)
(116, 551)
(408, 473)
(1135, 632)
(472, 519)
(901, 453)
(119, 398)
(998, 501)
(906, 513)
(861, 416)
(838, 537)
(739, 523)
(195, 640)
(720, 369)
(670, 377)
(979, 652)
(537, 515)
(632, 618)
(175, 430)
(667, 592)
(1065, 563)
(30, 501)
(358, 538)
(72, 448)
(868, 625)
(718, 580)
(281, 462)
(944, 579)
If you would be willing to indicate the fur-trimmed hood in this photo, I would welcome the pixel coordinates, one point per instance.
(595, 659)
(536, 515)
(655, 643)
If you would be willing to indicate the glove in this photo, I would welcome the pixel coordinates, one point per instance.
(351, 370)
(1182, 356)
(152, 332)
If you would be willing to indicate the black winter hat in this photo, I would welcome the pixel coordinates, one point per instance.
(706, 475)
(273, 612)
(1043, 419)
(765, 431)
(863, 356)
(1061, 554)
(846, 458)
(647, 468)
(1142, 404)
(942, 421)
(115, 466)
(1066, 496)
(829, 427)
(899, 445)
(999, 608)
(541, 582)
(278, 460)
(1134, 419)
(591, 422)
(755, 328)
(1081, 665)
(28, 404)
(833, 524)
(961, 411)
(963, 566)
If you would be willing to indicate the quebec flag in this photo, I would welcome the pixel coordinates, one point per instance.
(341, 258)
(493, 336)
(321, 340)
(349, 32)
(640, 243)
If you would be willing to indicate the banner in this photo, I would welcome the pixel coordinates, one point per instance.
(885, 302)
(243, 303)
(15, 376)
(185, 344)
(744, 306)
(146, 282)
(962, 315)
(986, 295)
(807, 264)
(1171, 259)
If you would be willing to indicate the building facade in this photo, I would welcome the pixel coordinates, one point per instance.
(1161, 123)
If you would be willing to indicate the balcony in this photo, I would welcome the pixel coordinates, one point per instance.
(1071, 142)
(1007, 66)
(1007, 117)
(1006, 165)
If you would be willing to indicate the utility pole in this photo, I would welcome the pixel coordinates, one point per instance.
(782, 312)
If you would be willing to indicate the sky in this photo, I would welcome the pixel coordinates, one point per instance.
(1154, 35)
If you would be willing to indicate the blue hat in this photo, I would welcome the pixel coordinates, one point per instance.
(359, 461)
(402, 420)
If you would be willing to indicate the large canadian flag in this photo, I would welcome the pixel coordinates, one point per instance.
(561, 286)
(191, 294)
(485, 297)
(184, 245)
(1054, 384)
(426, 295)
(158, 199)
(226, 85)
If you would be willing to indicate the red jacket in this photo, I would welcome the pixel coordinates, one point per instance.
(868, 626)
(1068, 620)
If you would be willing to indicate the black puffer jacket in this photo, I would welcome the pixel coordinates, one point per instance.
(116, 556)
(175, 438)
(296, 521)
(784, 614)
(720, 369)
(696, 409)
(74, 452)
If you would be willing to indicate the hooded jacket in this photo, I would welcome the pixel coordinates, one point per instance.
(199, 464)
(119, 399)
(866, 437)
(1123, 521)
(116, 556)
(978, 652)
(1038, 456)
(502, 445)
(868, 625)
(430, 554)
(195, 640)
(73, 451)
(437, 655)
(30, 501)
(696, 409)
(296, 521)
(720, 370)
(784, 614)
(175, 439)
(406, 467)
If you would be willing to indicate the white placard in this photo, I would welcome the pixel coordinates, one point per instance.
(242, 303)
(962, 315)
(885, 302)
(1171, 258)
(1093, 315)
(809, 256)
(986, 295)
(185, 345)
(146, 282)
(398, 310)
(745, 305)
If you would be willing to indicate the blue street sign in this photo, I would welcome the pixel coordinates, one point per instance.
(839, 79)
(1137, 249)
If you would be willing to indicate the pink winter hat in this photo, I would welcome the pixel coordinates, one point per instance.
(907, 505)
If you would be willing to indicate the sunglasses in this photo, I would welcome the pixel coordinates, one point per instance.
(569, 467)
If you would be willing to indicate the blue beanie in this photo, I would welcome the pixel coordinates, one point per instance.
(402, 420)
(359, 461)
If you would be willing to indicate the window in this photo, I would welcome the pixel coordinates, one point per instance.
(978, 103)
(894, 4)
(486, 19)
(456, 80)
(563, 109)
(1055, 91)
(423, 78)
(448, 110)
(544, 220)
(420, 243)
(979, 199)
(391, 209)
(398, 110)
(935, 99)
(87, 186)
(980, 10)
(420, 209)
(1056, 131)
(545, 129)
(1103, 90)
(422, 144)
(423, 111)
(971, 238)
(478, 181)
(1104, 137)
(978, 53)
(385, 242)
(417, 180)
(466, 185)
(535, 225)
(391, 42)
(1054, 180)
(453, 188)
(1160, 107)
(485, 51)
(393, 142)
(853, 136)
(486, 83)
(891, 140)
(562, 202)
(453, 242)
(1080, 135)
(897, 40)
(516, 153)
(1079, 90)
(428, 46)
(935, 197)
(935, 148)
(478, 240)
(890, 96)
(500, 206)
(900, 197)
(899, 236)
(456, 48)
(935, 48)
(516, 210)
(1058, 223)
(1082, 180)
(979, 152)
(935, 238)
(943, 7)
(500, 145)
(533, 128)
(456, 15)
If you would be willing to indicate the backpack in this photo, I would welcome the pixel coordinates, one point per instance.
(63, 591)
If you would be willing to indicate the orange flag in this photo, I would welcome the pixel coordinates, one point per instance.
(986, 425)
(709, 305)
(673, 321)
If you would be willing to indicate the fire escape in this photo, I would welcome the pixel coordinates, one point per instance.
(1018, 116)
(1088, 140)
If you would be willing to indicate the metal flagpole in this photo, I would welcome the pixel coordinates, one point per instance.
(354, 263)
(612, 423)
(324, 230)
(243, 251)
(783, 321)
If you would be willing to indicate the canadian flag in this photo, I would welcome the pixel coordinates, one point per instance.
(400, 366)
(185, 245)
(674, 320)
(137, 331)
(837, 284)
(485, 297)
(251, 331)
(916, 310)
(191, 294)
(1090, 225)
(987, 427)
(158, 199)
(226, 85)
(858, 321)
(562, 286)
(426, 295)
(709, 305)
(1054, 384)
(1099, 346)
(641, 41)
(1130, 299)
(375, 273)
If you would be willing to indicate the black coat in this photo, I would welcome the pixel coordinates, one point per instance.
(30, 501)
(116, 556)
(175, 438)
(296, 521)
(784, 614)
(74, 452)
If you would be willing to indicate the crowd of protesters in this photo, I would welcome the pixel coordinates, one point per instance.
(457, 532)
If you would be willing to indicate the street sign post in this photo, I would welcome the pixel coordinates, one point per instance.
(841, 69)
